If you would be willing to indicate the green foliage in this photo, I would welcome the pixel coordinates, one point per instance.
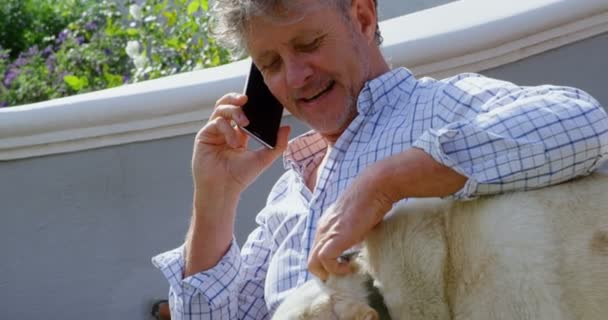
(104, 46)
(173, 37)
(25, 23)
(79, 59)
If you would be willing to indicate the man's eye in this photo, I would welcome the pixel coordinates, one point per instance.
(270, 66)
(311, 45)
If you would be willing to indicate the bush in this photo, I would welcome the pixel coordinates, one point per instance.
(25, 23)
(171, 38)
(107, 47)
(79, 59)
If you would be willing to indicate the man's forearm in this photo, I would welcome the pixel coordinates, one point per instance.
(211, 231)
(415, 174)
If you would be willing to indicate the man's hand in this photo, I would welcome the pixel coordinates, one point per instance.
(410, 174)
(345, 224)
(221, 159)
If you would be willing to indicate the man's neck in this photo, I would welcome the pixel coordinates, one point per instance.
(312, 180)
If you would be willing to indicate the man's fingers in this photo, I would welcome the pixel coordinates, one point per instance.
(316, 267)
(230, 112)
(242, 136)
(329, 256)
(232, 98)
(318, 271)
(229, 133)
(324, 261)
(322, 268)
(230, 107)
(333, 266)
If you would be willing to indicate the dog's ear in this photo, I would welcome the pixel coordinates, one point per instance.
(348, 309)
(308, 302)
(367, 313)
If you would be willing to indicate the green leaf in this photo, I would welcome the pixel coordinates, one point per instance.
(84, 82)
(113, 80)
(111, 29)
(171, 18)
(72, 81)
(132, 32)
(159, 7)
(205, 5)
(173, 43)
(193, 7)
(216, 58)
(75, 82)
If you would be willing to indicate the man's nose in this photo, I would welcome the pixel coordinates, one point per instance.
(297, 72)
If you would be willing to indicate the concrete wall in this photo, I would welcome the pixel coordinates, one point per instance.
(78, 229)
(393, 8)
(583, 64)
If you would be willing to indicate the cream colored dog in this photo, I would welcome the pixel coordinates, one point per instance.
(540, 254)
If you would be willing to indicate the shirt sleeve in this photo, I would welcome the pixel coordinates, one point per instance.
(505, 137)
(233, 289)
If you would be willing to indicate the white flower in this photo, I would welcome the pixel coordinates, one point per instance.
(132, 49)
(149, 18)
(136, 12)
(140, 61)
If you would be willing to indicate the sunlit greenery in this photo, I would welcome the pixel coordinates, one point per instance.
(95, 45)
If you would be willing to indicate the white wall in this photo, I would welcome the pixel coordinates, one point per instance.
(393, 8)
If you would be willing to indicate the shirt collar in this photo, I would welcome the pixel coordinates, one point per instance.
(376, 91)
(307, 148)
(303, 150)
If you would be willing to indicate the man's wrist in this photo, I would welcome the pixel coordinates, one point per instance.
(383, 181)
(414, 173)
(373, 188)
(214, 199)
(215, 215)
(210, 235)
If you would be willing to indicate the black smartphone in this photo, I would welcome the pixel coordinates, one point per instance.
(262, 109)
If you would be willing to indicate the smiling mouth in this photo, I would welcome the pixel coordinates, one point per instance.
(320, 93)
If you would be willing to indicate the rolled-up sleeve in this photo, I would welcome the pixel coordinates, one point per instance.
(504, 137)
(233, 289)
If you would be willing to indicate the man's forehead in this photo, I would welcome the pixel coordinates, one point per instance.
(292, 25)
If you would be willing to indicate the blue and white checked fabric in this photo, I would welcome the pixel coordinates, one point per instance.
(501, 136)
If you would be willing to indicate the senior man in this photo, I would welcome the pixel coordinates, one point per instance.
(378, 136)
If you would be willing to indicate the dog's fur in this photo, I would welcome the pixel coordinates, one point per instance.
(539, 254)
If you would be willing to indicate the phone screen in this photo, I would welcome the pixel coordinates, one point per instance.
(262, 109)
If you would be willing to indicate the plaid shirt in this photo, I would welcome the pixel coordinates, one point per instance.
(501, 136)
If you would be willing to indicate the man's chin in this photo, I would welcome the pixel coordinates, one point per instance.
(331, 132)
(329, 125)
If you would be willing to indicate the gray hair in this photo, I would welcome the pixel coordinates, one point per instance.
(229, 18)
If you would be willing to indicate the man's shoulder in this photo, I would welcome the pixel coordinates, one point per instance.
(474, 86)
(468, 83)
(476, 81)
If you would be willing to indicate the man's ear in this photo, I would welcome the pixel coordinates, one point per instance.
(365, 18)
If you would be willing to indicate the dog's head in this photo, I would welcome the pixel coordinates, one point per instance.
(339, 298)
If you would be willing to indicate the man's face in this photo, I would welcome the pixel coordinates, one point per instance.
(315, 62)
